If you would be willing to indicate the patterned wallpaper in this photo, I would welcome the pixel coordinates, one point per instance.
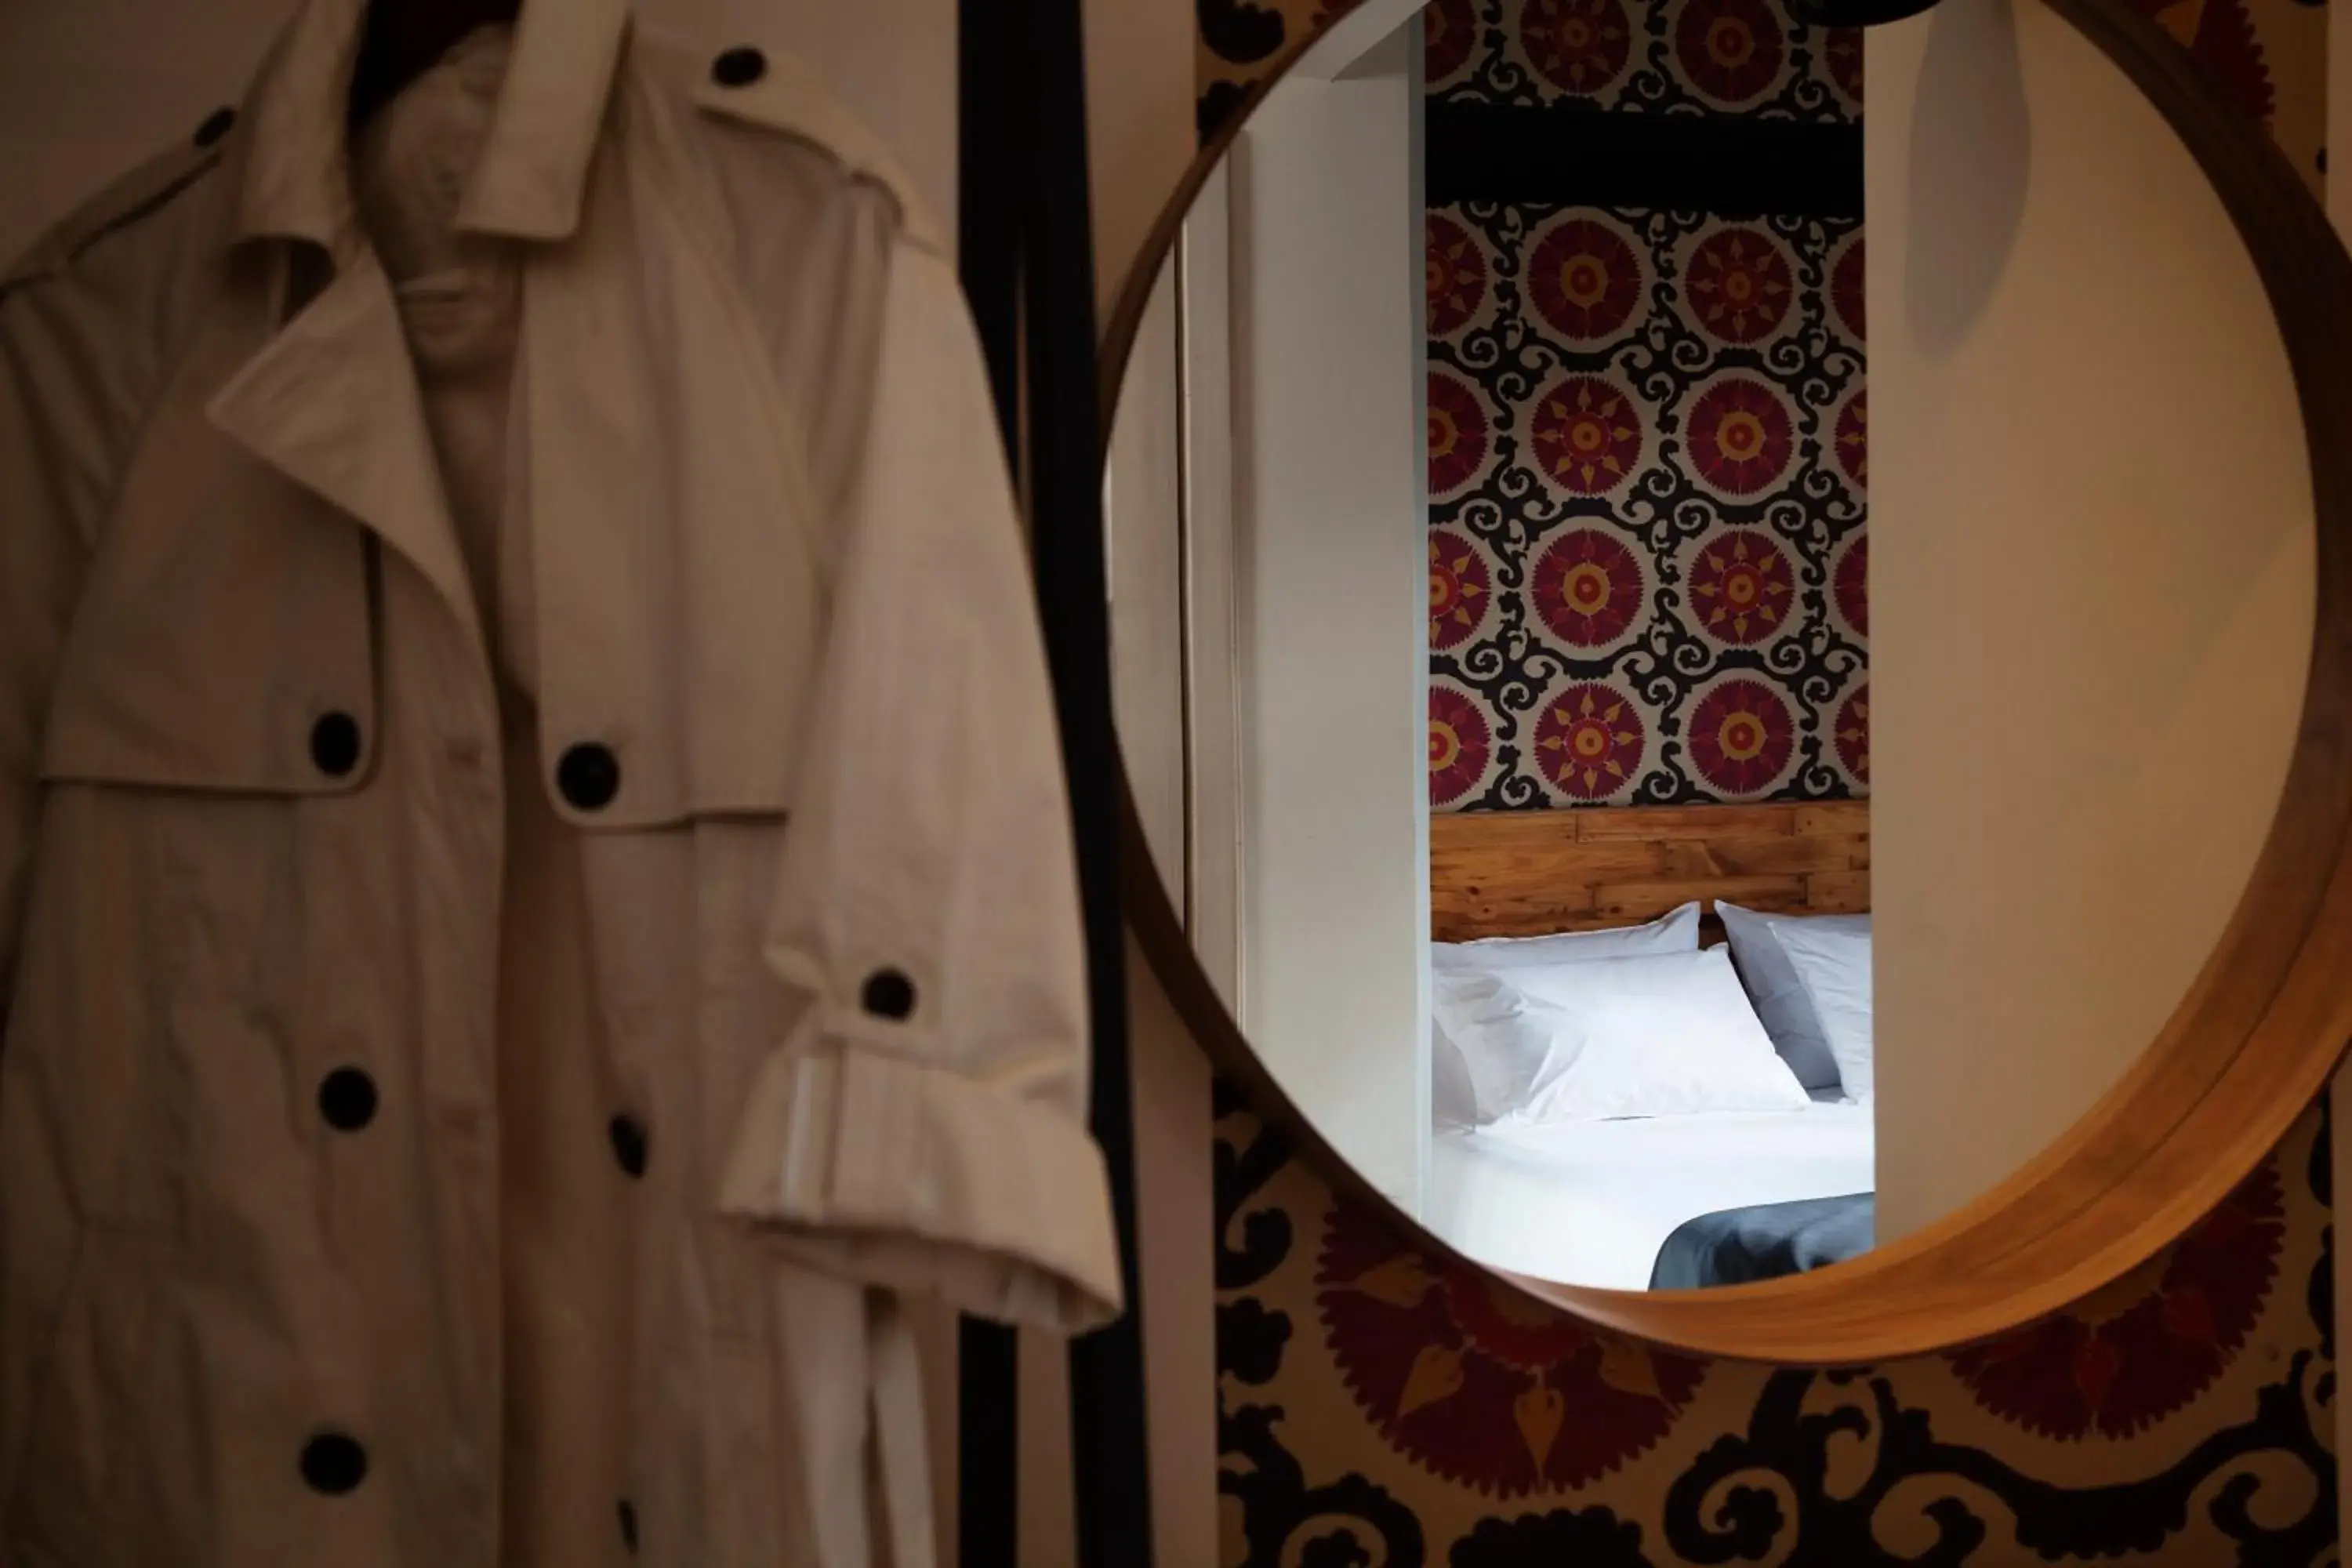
(1378, 1408)
(1646, 469)
(1647, 552)
(2267, 57)
(1743, 56)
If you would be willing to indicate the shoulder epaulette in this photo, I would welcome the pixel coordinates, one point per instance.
(776, 91)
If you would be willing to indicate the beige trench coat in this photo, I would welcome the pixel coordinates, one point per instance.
(410, 1160)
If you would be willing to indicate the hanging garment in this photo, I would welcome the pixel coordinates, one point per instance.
(536, 906)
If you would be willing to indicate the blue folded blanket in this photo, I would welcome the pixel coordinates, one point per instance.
(1764, 1241)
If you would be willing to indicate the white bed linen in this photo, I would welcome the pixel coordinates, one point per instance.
(1589, 1203)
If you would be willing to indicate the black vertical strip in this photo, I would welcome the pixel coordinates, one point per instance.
(1107, 1401)
(989, 156)
(1721, 164)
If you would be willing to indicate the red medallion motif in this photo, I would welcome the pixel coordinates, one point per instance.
(1458, 585)
(1586, 437)
(1728, 50)
(1577, 45)
(1583, 281)
(1741, 588)
(2129, 1356)
(1456, 276)
(1853, 440)
(1589, 740)
(1739, 284)
(1846, 295)
(1852, 733)
(1460, 744)
(1478, 1383)
(1457, 432)
(1850, 585)
(1587, 588)
(1449, 31)
(1741, 436)
(1842, 49)
(1740, 737)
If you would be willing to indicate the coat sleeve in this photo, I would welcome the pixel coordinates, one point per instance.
(88, 331)
(923, 1128)
(61, 416)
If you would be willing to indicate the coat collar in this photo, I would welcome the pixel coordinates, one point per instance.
(653, 468)
(293, 158)
(332, 400)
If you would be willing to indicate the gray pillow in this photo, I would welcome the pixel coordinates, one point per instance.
(1834, 968)
(1779, 997)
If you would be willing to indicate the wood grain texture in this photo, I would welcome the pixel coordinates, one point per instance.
(2259, 1032)
(1522, 873)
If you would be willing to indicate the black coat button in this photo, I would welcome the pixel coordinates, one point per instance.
(888, 993)
(333, 1463)
(629, 1524)
(347, 1099)
(335, 744)
(589, 775)
(628, 1135)
(217, 124)
(739, 67)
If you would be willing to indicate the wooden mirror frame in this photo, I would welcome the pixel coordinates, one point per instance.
(2261, 1026)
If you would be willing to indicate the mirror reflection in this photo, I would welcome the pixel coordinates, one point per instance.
(1701, 694)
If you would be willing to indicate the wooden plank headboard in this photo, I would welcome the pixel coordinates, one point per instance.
(1521, 873)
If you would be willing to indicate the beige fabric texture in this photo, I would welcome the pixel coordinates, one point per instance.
(580, 401)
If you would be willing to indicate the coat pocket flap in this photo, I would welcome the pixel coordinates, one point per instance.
(223, 641)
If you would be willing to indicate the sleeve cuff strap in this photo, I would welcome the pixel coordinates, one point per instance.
(919, 1179)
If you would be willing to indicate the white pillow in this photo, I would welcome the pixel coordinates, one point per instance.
(1454, 1096)
(1833, 967)
(1661, 1035)
(1676, 931)
(1485, 1024)
(1780, 1000)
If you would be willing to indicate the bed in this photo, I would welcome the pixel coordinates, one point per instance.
(1593, 1202)
(1666, 1201)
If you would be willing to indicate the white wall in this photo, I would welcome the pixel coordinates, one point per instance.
(2092, 584)
(1212, 677)
(1330, 561)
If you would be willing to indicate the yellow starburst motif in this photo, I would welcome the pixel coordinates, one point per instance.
(1588, 738)
(1586, 436)
(1740, 283)
(1853, 735)
(1854, 439)
(1457, 589)
(1741, 588)
(1454, 275)
(1578, 46)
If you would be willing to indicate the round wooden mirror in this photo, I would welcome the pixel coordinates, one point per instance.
(1493, 637)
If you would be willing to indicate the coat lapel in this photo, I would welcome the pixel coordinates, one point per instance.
(333, 403)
